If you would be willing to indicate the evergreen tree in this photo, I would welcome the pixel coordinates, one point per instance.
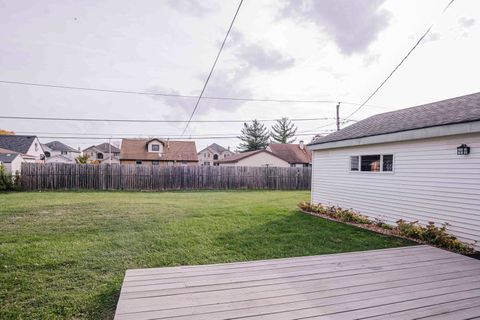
(254, 136)
(283, 131)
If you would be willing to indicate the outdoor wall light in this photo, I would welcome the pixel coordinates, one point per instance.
(463, 150)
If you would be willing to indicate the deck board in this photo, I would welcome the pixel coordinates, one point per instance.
(400, 283)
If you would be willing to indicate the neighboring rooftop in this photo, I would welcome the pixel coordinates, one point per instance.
(242, 155)
(136, 149)
(8, 157)
(216, 148)
(17, 143)
(451, 111)
(59, 146)
(105, 148)
(292, 153)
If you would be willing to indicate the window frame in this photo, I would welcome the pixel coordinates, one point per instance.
(155, 162)
(156, 145)
(371, 172)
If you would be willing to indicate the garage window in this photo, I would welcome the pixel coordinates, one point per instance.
(372, 163)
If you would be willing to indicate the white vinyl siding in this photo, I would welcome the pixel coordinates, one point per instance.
(430, 182)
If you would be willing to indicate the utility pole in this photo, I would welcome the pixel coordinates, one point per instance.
(110, 150)
(338, 116)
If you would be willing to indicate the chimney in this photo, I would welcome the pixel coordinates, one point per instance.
(301, 145)
(228, 148)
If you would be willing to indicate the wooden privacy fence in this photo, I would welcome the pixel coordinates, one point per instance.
(61, 176)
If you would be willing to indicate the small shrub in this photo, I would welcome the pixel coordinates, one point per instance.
(431, 234)
(410, 229)
(6, 181)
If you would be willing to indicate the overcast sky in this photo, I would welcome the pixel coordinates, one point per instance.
(321, 50)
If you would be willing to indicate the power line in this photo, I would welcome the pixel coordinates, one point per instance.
(213, 68)
(173, 95)
(113, 135)
(151, 121)
(169, 137)
(401, 62)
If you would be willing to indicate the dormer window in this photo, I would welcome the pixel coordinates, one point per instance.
(155, 145)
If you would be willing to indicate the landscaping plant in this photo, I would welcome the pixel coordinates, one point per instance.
(431, 234)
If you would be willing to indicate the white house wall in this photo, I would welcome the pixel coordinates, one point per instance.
(430, 182)
(260, 159)
(35, 149)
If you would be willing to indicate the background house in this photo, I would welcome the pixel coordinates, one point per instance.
(417, 164)
(104, 152)
(158, 152)
(212, 153)
(258, 158)
(11, 160)
(58, 152)
(296, 155)
(29, 146)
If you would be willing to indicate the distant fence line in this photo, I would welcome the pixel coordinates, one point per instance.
(62, 176)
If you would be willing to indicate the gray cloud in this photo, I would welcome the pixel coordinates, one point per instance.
(432, 37)
(193, 7)
(466, 22)
(268, 60)
(257, 56)
(224, 83)
(352, 24)
(228, 82)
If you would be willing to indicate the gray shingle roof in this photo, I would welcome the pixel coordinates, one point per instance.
(58, 146)
(16, 143)
(215, 148)
(456, 110)
(7, 157)
(103, 147)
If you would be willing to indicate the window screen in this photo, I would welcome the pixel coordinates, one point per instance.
(354, 163)
(387, 162)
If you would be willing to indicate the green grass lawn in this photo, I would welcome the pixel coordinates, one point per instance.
(64, 255)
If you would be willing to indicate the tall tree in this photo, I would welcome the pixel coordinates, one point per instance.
(283, 131)
(254, 136)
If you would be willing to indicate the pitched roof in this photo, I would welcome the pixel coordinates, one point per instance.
(136, 149)
(8, 157)
(215, 148)
(16, 143)
(104, 147)
(242, 155)
(59, 146)
(451, 111)
(290, 152)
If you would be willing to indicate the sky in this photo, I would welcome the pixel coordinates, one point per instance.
(335, 50)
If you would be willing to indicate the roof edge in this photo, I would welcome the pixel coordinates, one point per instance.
(414, 134)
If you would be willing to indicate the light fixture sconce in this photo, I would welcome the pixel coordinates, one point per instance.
(463, 150)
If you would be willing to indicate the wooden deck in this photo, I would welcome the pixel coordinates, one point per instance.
(417, 282)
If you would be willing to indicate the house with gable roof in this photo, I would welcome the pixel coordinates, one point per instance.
(212, 153)
(158, 152)
(104, 152)
(58, 152)
(29, 146)
(296, 155)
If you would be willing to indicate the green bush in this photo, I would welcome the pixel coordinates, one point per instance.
(6, 180)
(431, 234)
